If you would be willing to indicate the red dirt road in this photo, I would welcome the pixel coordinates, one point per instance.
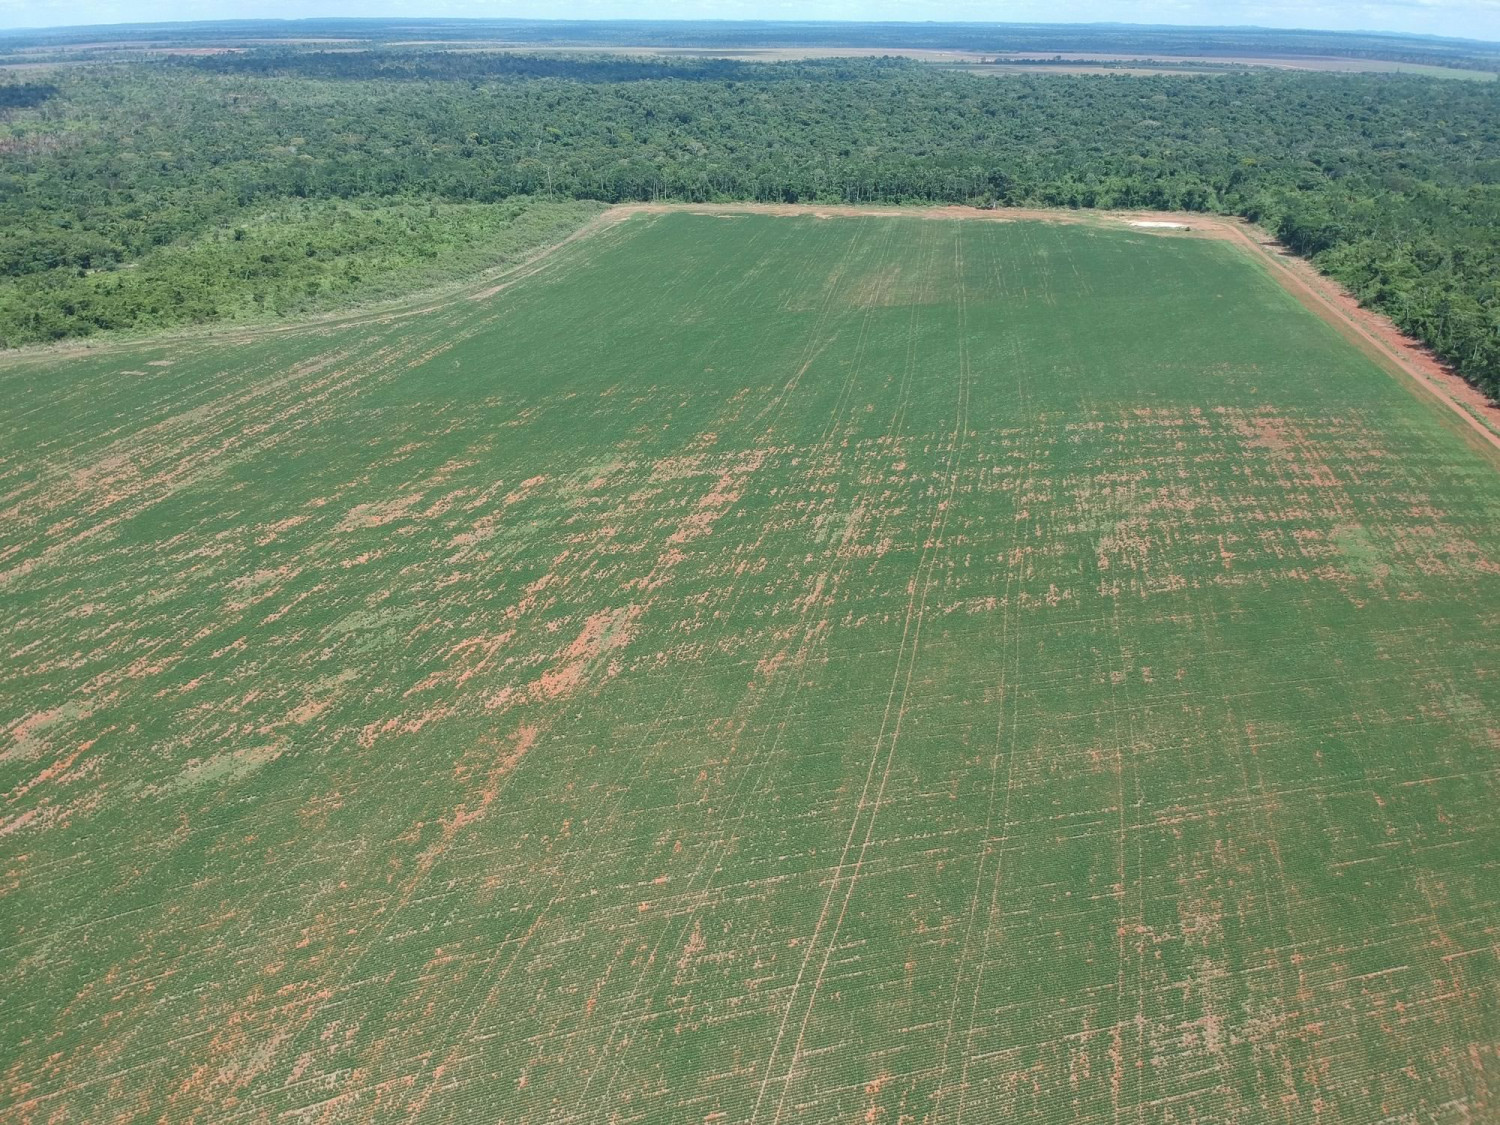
(1333, 303)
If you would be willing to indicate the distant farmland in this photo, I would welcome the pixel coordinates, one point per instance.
(754, 669)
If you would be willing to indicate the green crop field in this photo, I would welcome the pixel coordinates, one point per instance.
(754, 669)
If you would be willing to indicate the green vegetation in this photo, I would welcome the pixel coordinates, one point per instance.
(778, 668)
(24, 95)
(1391, 183)
(300, 257)
(1449, 72)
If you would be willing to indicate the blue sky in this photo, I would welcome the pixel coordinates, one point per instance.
(1478, 19)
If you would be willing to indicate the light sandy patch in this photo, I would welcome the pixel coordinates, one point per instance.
(604, 632)
(221, 768)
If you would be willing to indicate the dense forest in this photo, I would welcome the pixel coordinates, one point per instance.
(270, 181)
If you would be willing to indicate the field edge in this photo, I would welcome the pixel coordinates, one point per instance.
(1411, 363)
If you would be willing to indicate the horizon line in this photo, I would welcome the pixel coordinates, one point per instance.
(678, 20)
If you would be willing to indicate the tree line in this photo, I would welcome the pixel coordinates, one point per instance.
(1390, 183)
